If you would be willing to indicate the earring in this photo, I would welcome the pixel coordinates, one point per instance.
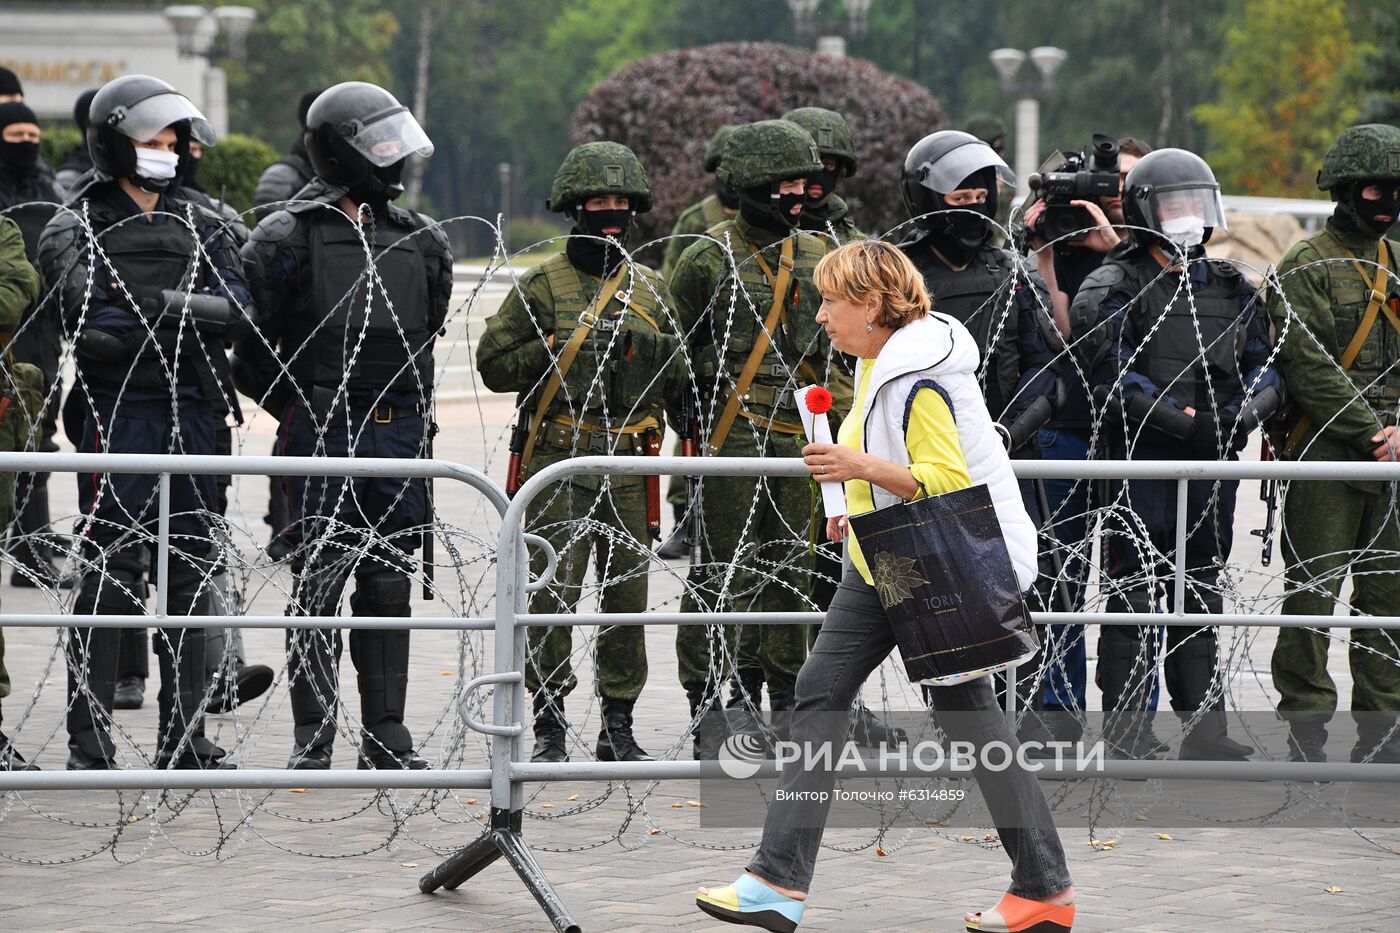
(870, 327)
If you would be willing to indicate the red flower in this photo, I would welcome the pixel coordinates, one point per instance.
(818, 400)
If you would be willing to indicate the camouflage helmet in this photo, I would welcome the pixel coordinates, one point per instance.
(715, 149)
(765, 152)
(596, 169)
(1361, 153)
(985, 126)
(829, 129)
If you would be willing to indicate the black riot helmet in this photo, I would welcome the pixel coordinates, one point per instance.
(941, 163)
(1174, 194)
(134, 108)
(358, 137)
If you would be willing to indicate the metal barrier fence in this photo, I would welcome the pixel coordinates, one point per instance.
(508, 772)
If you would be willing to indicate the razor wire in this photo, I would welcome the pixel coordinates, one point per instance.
(237, 570)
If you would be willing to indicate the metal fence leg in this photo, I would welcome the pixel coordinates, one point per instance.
(503, 838)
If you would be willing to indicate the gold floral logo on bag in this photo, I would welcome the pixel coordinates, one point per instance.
(895, 578)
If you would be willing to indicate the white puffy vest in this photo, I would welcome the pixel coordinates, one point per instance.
(937, 352)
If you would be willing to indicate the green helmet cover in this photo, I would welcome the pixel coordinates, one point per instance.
(1361, 153)
(765, 152)
(596, 169)
(985, 126)
(715, 149)
(830, 131)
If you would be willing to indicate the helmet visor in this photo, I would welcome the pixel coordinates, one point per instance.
(1201, 201)
(948, 171)
(388, 137)
(144, 119)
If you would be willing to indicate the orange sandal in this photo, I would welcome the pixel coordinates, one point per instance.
(1019, 915)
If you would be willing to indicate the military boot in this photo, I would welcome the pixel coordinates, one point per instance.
(871, 731)
(746, 702)
(551, 729)
(674, 547)
(615, 739)
(1124, 677)
(711, 727)
(1193, 674)
(1307, 735)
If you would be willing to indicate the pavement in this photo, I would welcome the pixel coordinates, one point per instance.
(622, 857)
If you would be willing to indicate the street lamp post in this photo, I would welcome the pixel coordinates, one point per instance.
(195, 30)
(832, 44)
(1047, 60)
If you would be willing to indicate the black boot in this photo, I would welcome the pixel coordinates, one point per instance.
(11, 759)
(1124, 673)
(674, 547)
(130, 693)
(871, 731)
(1307, 735)
(1191, 672)
(615, 739)
(711, 727)
(246, 683)
(551, 728)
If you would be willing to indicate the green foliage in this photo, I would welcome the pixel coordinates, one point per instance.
(301, 45)
(231, 169)
(56, 142)
(1284, 81)
(1379, 75)
(665, 108)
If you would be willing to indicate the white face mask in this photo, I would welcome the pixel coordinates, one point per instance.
(156, 164)
(1185, 232)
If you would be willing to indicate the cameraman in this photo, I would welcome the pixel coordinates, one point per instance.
(1065, 265)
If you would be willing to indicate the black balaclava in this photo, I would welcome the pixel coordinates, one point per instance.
(189, 177)
(766, 209)
(958, 233)
(1355, 214)
(382, 186)
(726, 196)
(591, 251)
(19, 158)
(828, 182)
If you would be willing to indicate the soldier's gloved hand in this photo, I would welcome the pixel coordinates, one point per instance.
(134, 298)
(1210, 431)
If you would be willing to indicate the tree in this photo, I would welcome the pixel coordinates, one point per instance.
(1379, 80)
(667, 106)
(1284, 95)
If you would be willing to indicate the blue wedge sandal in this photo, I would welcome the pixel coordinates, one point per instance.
(750, 902)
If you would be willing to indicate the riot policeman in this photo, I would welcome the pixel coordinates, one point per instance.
(746, 302)
(352, 375)
(1184, 371)
(151, 290)
(281, 180)
(826, 212)
(950, 181)
(589, 341)
(1339, 351)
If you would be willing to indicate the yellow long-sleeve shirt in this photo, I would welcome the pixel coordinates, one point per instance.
(935, 456)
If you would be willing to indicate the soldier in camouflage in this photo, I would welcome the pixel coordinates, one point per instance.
(19, 290)
(746, 302)
(710, 210)
(588, 342)
(826, 211)
(1339, 350)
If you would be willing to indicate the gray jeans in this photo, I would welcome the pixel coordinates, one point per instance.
(854, 639)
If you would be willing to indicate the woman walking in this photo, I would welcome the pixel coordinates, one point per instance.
(918, 428)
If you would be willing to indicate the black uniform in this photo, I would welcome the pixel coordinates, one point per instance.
(281, 180)
(347, 381)
(152, 373)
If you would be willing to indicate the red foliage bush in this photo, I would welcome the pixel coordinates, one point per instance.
(666, 107)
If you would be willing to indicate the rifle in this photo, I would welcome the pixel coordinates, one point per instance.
(517, 449)
(690, 447)
(1268, 494)
(651, 446)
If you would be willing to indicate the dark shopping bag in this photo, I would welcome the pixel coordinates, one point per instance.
(944, 576)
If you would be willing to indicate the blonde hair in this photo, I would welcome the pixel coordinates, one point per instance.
(865, 268)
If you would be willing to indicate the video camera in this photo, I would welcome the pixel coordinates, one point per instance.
(1074, 176)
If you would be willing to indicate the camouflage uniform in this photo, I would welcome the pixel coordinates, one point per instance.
(754, 530)
(19, 290)
(616, 389)
(829, 215)
(1327, 526)
(703, 214)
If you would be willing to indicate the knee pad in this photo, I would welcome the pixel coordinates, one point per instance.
(318, 587)
(389, 591)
